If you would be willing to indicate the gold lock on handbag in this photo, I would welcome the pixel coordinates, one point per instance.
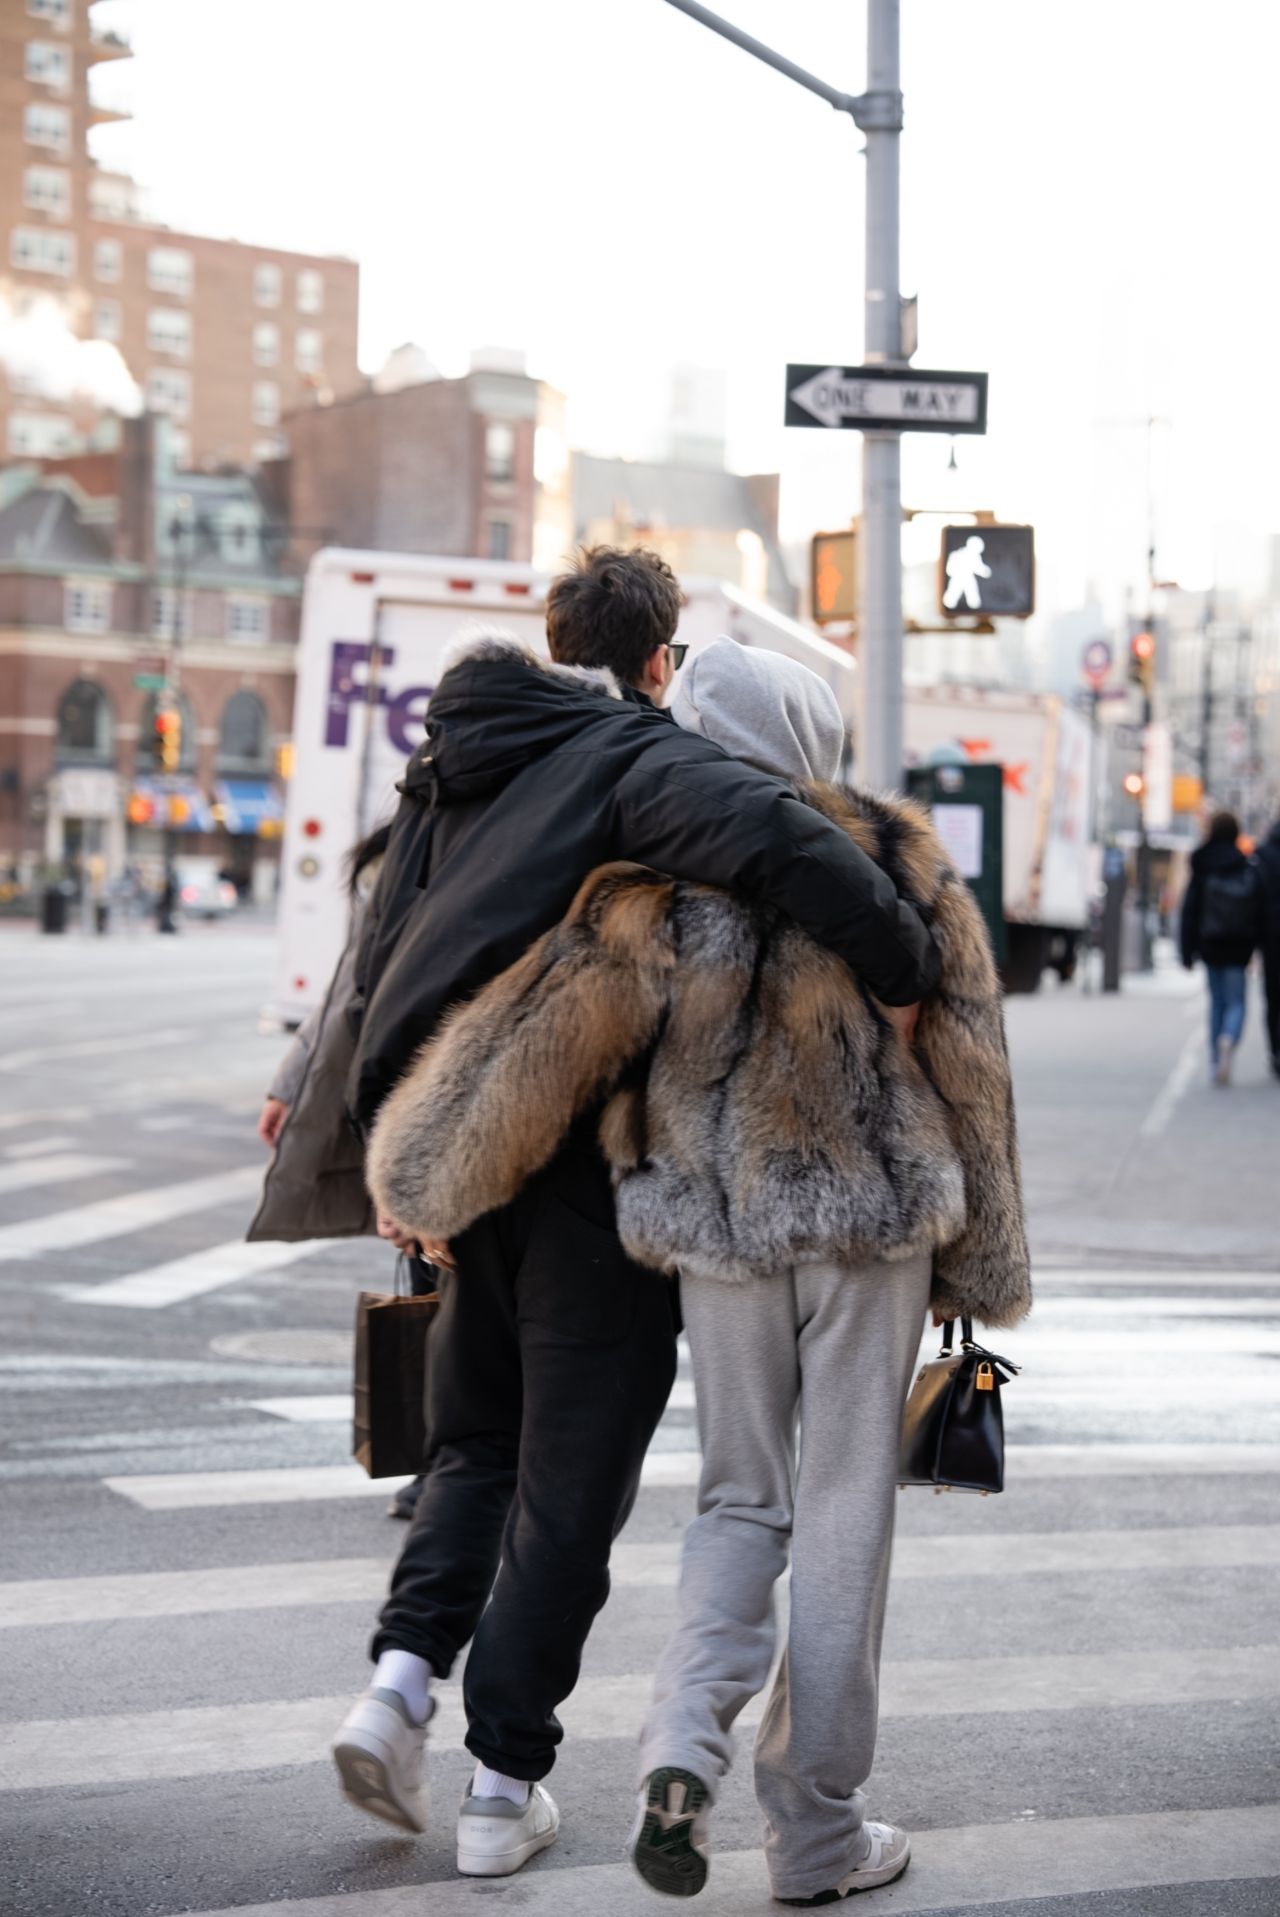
(985, 1379)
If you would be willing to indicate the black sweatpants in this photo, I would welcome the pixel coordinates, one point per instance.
(549, 1365)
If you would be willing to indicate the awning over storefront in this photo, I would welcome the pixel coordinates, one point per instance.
(249, 806)
(172, 803)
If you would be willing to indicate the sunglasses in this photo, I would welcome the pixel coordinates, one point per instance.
(679, 653)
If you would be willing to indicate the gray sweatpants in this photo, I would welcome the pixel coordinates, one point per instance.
(833, 1349)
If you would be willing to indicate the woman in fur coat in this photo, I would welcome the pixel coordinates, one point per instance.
(816, 1182)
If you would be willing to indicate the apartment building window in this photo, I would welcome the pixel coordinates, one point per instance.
(266, 402)
(108, 260)
(86, 735)
(39, 435)
(47, 126)
(266, 343)
(169, 331)
(86, 605)
(239, 535)
(266, 284)
(47, 189)
(169, 392)
(48, 65)
(310, 291)
(247, 619)
(180, 450)
(43, 249)
(169, 610)
(56, 12)
(499, 454)
(108, 320)
(499, 539)
(308, 350)
(170, 270)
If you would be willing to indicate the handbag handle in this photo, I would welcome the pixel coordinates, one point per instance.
(967, 1343)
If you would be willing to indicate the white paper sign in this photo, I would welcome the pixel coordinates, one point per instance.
(960, 829)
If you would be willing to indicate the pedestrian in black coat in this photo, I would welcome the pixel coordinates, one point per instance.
(1268, 865)
(553, 1352)
(1221, 925)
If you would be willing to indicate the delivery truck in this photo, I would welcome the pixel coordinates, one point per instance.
(376, 632)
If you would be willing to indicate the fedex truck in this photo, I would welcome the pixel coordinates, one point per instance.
(376, 631)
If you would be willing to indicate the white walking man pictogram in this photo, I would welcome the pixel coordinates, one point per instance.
(965, 567)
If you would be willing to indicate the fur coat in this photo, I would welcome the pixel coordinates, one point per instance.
(758, 1108)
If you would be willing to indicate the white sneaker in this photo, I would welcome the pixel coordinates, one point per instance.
(1226, 1055)
(888, 1854)
(495, 1836)
(378, 1753)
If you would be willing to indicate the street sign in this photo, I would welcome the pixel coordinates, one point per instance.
(989, 570)
(1095, 663)
(149, 681)
(833, 577)
(886, 399)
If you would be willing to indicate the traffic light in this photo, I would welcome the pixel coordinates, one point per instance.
(1134, 784)
(833, 577)
(166, 740)
(1142, 661)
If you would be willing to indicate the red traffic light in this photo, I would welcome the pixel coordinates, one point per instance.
(1133, 784)
(1143, 647)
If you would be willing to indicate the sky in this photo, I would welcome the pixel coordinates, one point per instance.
(1087, 215)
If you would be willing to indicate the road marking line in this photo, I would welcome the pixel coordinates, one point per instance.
(129, 1747)
(1048, 1277)
(1157, 1308)
(132, 1211)
(294, 1585)
(181, 1278)
(31, 1173)
(1165, 1103)
(194, 1490)
(973, 1864)
(336, 1408)
(37, 1147)
(143, 1041)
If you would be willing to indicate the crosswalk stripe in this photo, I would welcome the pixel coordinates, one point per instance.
(293, 1585)
(38, 1147)
(972, 1865)
(156, 1286)
(209, 1739)
(101, 1047)
(28, 1174)
(192, 1490)
(132, 1211)
(336, 1408)
(1048, 1278)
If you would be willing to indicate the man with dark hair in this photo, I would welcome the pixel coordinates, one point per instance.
(551, 1358)
(1221, 916)
(618, 610)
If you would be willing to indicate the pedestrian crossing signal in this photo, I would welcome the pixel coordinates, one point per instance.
(987, 570)
(166, 744)
(1142, 660)
(833, 577)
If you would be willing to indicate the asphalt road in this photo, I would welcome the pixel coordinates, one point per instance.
(1081, 1676)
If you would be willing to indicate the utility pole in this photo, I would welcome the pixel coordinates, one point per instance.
(878, 114)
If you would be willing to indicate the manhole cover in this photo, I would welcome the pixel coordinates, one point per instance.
(286, 1347)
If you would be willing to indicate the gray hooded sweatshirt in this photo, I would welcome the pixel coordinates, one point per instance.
(762, 707)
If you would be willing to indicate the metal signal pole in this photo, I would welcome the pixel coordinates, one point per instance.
(878, 114)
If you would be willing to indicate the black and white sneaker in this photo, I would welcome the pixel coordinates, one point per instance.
(669, 1844)
(888, 1854)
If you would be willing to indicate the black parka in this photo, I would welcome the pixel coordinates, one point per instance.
(531, 776)
(1216, 858)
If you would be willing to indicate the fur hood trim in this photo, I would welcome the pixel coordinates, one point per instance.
(495, 645)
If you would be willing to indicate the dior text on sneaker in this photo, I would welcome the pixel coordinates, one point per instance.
(496, 1837)
(378, 1752)
(888, 1854)
(669, 1847)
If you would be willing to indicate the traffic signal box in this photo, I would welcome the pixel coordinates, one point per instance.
(166, 739)
(833, 577)
(1142, 661)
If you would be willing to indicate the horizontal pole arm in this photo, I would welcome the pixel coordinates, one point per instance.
(842, 102)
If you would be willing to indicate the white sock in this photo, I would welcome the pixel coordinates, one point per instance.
(402, 1671)
(487, 1783)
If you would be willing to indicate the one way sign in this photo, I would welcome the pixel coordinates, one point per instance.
(886, 399)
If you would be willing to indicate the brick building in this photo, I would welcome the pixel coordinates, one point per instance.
(222, 338)
(119, 573)
(477, 467)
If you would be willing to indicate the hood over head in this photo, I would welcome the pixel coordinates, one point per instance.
(762, 707)
(499, 706)
(1217, 855)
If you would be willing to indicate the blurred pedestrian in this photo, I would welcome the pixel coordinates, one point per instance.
(167, 900)
(1268, 864)
(1221, 924)
(314, 1186)
(772, 1137)
(553, 1353)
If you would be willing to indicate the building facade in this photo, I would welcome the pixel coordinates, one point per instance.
(220, 337)
(122, 579)
(477, 467)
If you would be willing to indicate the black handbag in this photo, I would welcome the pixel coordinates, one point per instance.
(389, 1423)
(953, 1425)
